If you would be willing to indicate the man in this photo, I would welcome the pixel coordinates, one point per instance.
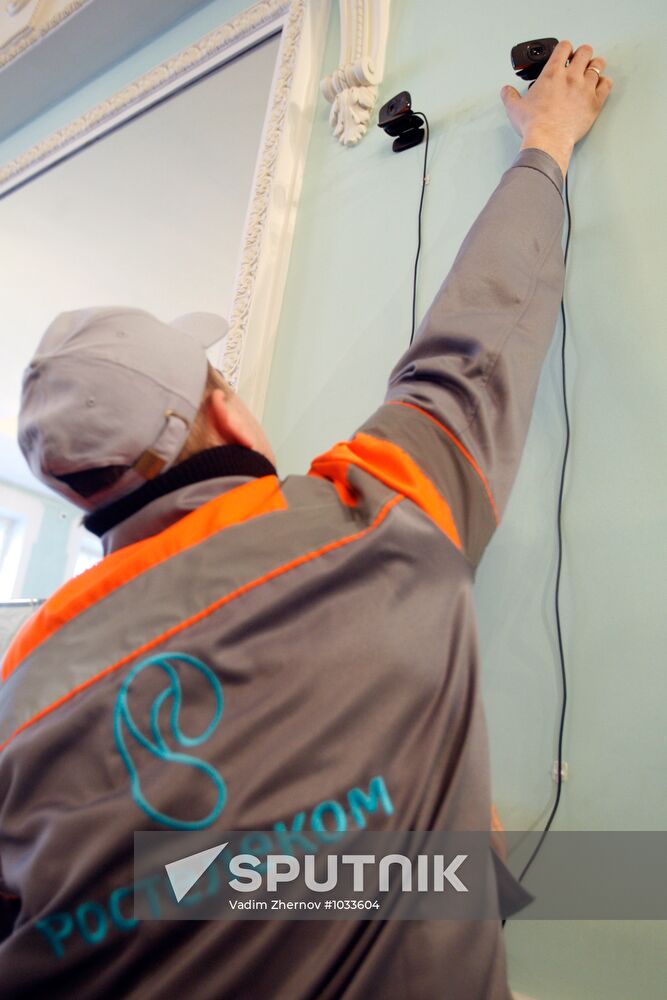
(332, 612)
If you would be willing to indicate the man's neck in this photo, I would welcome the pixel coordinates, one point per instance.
(213, 463)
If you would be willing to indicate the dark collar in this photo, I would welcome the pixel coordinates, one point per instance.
(226, 460)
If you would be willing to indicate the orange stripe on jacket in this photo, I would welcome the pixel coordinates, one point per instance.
(164, 636)
(387, 462)
(250, 500)
(464, 451)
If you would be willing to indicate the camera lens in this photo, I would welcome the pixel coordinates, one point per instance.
(535, 51)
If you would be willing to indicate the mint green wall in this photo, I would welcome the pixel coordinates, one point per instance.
(346, 319)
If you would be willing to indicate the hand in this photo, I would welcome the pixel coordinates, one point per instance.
(560, 107)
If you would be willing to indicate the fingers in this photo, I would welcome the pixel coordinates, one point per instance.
(583, 62)
(581, 59)
(577, 61)
(598, 62)
(601, 84)
(593, 75)
(509, 95)
(558, 58)
(603, 89)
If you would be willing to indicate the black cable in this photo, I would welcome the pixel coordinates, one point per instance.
(559, 524)
(419, 229)
(559, 514)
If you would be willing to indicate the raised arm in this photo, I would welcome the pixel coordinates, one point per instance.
(460, 399)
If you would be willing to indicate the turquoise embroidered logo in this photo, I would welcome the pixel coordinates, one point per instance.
(157, 745)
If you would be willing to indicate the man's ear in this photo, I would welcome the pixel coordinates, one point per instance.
(228, 420)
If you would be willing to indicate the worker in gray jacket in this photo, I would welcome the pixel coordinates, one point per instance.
(292, 655)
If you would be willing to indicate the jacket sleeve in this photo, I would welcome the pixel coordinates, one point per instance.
(460, 399)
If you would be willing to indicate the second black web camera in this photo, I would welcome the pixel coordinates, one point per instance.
(397, 119)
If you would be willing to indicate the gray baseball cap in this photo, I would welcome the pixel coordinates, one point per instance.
(115, 389)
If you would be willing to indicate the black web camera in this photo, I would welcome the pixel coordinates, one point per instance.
(397, 118)
(530, 58)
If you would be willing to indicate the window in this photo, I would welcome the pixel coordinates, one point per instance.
(89, 553)
(10, 553)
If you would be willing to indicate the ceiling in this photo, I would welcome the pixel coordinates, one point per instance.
(87, 43)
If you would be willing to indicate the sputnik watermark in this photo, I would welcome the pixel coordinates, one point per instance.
(432, 872)
(578, 875)
(409, 875)
(250, 874)
(406, 875)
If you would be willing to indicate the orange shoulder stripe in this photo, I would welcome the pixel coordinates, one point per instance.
(393, 466)
(240, 504)
(243, 589)
(464, 451)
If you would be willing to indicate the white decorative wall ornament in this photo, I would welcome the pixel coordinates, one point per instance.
(352, 89)
(262, 271)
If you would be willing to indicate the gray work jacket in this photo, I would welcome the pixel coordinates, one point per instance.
(318, 633)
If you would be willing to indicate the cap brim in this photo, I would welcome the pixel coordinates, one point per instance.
(206, 328)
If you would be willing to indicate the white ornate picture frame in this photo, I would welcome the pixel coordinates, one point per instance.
(262, 271)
